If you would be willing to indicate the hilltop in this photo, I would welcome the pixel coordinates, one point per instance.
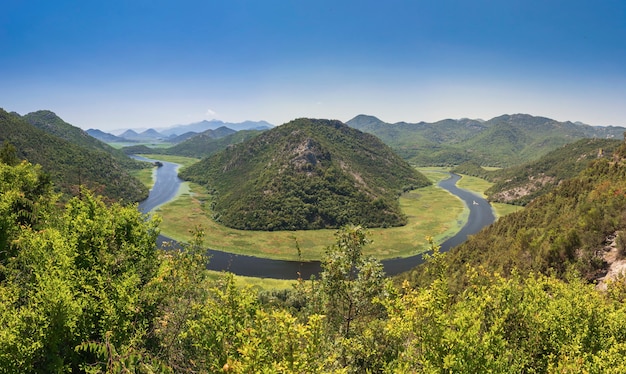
(70, 156)
(306, 174)
(502, 141)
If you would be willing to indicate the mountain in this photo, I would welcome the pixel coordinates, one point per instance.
(215, 124)
(105, 136)
(129, 135)
(209, 142)
(521, 184)
(306, 174)
(145, 136)
(70, 164)
(175, 139)
(501, 141)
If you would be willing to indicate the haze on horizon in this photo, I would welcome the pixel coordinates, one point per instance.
(139, 64)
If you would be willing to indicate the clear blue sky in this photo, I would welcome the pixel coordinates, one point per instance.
(145, 63)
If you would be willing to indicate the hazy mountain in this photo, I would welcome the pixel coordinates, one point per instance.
(145, 136)
(215, 124)
(306, 174)
(175, 139)
(105, 136)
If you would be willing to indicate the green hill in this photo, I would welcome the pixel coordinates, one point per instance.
(502, 141)
(523, 183)
(209, 142)
(306, 174)
(70, 164)
(562, 230)
(51, 123)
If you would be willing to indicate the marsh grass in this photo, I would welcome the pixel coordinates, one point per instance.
(145, 176)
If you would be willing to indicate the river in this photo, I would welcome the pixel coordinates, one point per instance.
(167, 185)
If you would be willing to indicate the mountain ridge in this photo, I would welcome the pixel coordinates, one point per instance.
(505, 140)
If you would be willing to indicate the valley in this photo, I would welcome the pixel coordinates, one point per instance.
(94, 258)
(237, 260)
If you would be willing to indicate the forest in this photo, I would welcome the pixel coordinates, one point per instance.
(83, 288)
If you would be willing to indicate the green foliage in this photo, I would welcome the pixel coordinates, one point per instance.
(521, 184)
(306, 174)
(515, 325)
(8, 154)
(83, 289)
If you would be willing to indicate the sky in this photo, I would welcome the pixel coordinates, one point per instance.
(148, 63)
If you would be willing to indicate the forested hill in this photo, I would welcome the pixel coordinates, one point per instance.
(69, 164)
(565, 229)
(209, 142)
(521, 184)
(501, 141)
(306, 174)
(51, 123)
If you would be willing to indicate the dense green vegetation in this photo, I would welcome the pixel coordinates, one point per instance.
(83, 289)
(502, 141)
(306, 174)
(523, 183)
(563, 230)
(69, 164)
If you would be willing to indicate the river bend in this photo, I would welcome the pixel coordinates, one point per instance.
(167, 184)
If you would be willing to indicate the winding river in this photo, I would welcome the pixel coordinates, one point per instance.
(166, 188)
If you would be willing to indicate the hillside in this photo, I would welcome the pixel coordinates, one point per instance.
(51, 123)
(502, 141)
(69, 164)
(306, 174)
(521, 184)
(563, 230)
(209, 142)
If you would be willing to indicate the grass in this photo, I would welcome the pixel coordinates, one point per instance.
(145, 176)
(182, 160)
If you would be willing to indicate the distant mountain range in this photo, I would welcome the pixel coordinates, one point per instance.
(501, 141)
(178, 133)
(202, 126)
